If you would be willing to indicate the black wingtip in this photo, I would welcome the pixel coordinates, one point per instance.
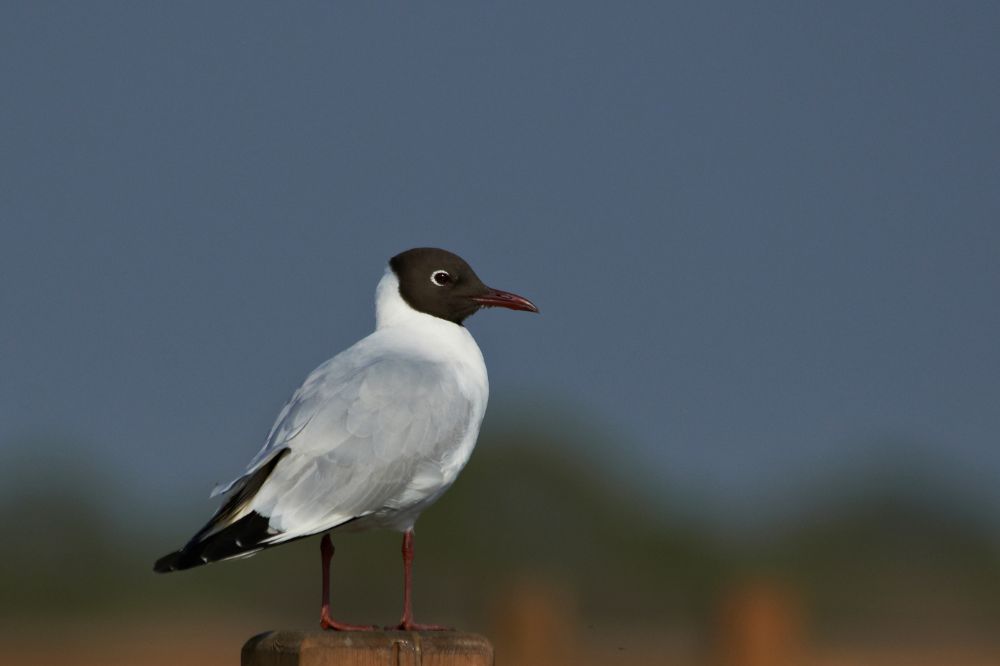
(167, 563)
(244, 537)
(176, 561)
(225, 535)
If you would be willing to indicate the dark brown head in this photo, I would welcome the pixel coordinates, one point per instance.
(439, 283)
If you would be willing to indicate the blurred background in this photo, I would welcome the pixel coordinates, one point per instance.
(755, 424)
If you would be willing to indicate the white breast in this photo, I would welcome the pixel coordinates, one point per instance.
(445, 342)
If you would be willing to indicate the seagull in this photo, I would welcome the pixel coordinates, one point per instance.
(374, 435)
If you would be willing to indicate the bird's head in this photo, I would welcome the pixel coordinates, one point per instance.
(442, 284)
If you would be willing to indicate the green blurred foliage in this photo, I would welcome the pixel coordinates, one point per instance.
(530, 502)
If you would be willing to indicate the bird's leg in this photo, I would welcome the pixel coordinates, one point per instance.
(406, 623)
(325, 621)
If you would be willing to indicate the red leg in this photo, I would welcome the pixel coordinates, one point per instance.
(325, 621)
(406, 623)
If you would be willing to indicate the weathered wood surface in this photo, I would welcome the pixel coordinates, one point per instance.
(367, 648)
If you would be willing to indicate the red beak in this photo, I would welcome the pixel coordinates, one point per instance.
(505, 299)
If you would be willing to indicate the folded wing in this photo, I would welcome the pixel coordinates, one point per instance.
(365, 434)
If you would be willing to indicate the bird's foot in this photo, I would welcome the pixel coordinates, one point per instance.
(328, 623)
(414, 626)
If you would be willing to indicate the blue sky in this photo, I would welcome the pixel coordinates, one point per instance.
(764, 239)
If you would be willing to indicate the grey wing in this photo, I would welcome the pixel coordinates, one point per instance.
(367, 440)
(321, 384)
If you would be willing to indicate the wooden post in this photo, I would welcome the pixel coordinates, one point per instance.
(367, 648)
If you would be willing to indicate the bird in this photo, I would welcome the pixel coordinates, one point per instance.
(374, 435)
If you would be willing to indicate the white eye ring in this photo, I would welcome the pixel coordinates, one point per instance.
(440, 278)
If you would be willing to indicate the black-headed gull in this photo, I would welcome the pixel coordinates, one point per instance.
(374, 435)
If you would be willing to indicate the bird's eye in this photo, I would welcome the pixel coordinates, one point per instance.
(441, 278)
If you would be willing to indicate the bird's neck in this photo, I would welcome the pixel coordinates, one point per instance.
(392, 310)
(401, 327)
